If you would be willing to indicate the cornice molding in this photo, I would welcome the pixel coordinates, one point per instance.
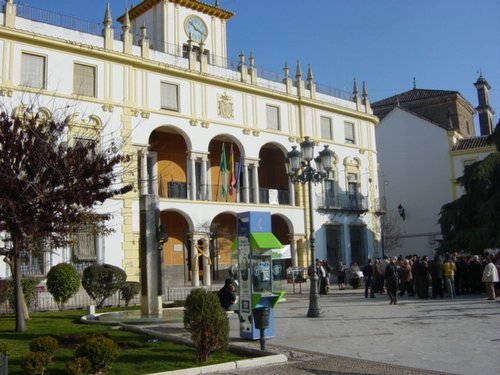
(198, 6)
(159, 67)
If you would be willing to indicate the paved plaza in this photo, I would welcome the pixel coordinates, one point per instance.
(355, 335)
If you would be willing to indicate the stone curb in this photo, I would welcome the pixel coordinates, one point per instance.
(262, 357)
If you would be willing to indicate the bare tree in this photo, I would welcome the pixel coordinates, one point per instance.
(391, 232)
(49, 188)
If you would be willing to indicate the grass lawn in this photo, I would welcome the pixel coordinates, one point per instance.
(138, 354)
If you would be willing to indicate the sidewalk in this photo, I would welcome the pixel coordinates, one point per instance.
(458, 336)
(355, 335)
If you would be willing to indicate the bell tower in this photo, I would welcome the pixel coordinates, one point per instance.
(484, 109)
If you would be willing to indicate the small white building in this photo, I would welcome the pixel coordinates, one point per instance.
(425, 139)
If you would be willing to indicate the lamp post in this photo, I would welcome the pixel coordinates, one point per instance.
(298, 166)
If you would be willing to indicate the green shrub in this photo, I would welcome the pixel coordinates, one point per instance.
(207, 322)
(100, 351)
(44, 344)
(93, 334)
(102, 281)
(3, 347)
(29, 290)
(35, 363)
(78, 366)
(3, 291)
(129, 290)
(63, 282)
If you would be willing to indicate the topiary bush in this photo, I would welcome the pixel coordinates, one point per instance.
(44, 344)
(102, 281)
(78, 366)
(207, 322)
(36, 363)
(100, 351)
(63, 282)
(129, 290)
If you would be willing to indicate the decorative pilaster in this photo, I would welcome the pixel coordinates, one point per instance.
(126, 35)
(144, 42)
(366, 101)
(107, 32)
(299, 83)
(9, 10)
(355, 95)
(203, 58)
(310, 83)
(242, 68)
(251, 70)
(286, 79)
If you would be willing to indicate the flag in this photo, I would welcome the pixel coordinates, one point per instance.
(238, 174)
(223, 170)
(232, 178)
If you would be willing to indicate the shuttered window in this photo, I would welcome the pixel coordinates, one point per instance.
(326, 128)
(349, 133)
(169, 96)
(273, 117)
(85, 246)
(33, 70)
(84, 82)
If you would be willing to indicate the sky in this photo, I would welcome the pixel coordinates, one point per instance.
(390, 44)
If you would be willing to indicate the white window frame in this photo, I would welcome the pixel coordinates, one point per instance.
(169, 96)
(85, 247)
(273, 117)
(33, 71)
(326, 128)
(349, 133)
(87, 84)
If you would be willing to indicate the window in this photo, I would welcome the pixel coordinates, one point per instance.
(33, 70)
(169, 96)
(273, 117)
(330, 193)
(358, 250)
(349, 133)
(352, 190)
(84, 80)
(85, 246)
(326, 128)
(87, 143)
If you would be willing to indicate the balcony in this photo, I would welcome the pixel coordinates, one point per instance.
(213, 193)
(343, 202)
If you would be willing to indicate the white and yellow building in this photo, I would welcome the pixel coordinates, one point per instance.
(163, 89)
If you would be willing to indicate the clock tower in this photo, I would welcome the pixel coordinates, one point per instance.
(171, 23)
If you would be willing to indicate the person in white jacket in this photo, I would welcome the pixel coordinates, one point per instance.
(490, 277)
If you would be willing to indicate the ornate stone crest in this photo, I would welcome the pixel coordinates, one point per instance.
(225, 106)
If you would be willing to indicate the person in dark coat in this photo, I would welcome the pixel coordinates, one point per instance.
(369, 274)
(227, 295)
(421, 274)
(436, 271)
(391, 280)
(476, 272)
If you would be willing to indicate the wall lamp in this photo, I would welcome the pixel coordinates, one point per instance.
(401, 211)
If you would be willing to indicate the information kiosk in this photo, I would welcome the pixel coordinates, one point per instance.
(255, 278)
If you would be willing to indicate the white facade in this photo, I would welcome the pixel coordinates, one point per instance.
(414, 173)
(216, 105)
(418, 170)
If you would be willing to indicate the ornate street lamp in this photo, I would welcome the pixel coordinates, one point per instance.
(298, 166)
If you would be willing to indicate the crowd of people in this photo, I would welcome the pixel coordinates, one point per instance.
(449, 274)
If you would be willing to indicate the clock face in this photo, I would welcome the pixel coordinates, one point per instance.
(195, 27)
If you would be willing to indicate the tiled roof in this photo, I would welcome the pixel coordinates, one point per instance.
(412, 95)
(470, 143)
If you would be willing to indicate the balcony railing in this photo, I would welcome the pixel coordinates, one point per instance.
(214, 193)
(274, 196)
(95, 28)
(343, 202)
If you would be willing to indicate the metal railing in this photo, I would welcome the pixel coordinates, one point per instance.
(343, 202)
(274, 196)
(96, 28)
